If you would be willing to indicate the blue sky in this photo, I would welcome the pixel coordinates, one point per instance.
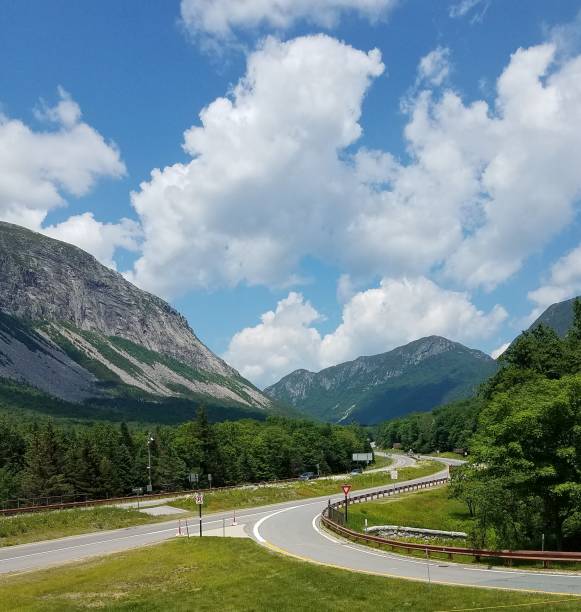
(236, 231)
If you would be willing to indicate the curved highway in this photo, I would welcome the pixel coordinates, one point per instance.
(291, 528)
(296, 531)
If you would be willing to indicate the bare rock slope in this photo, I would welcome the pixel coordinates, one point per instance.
(71, 324)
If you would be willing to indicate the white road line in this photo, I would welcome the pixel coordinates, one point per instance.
(321, 533)
(256, 530)
(57, 550)
(111, 540)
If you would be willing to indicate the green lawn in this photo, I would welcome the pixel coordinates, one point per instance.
(227, 574)
(24, 528)
(271, 494)
(430, 509)
(450, 455)
(381, 462)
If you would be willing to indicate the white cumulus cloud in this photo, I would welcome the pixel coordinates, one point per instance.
(222, 18)
(275, 176)
(434, 68)
(283, 341)
(98, 238)
(266, 184)
(373, 321)
(39, 169)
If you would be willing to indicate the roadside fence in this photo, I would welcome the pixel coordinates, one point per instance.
(333, 518)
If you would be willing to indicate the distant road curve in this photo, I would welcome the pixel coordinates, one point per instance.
(39, 555)
(296, 531)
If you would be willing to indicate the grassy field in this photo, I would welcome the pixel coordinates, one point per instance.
(381, 462)
(226, 574)
(272, 494)
(450, 455)
(430, 509)
(25, 528)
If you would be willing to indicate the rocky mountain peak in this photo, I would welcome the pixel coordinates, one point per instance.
(42, 279)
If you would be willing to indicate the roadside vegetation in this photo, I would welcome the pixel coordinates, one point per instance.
(24, 528)
(275, 493)
(227, 574)
(381, 462)
(428, 509)
(104, 460)
(522, 484)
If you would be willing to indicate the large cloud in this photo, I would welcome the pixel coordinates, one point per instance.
(374, 321)
(98, 238)
(266, 184)
(526, 159)
(222, 18)
(275, 177)
(38, 169)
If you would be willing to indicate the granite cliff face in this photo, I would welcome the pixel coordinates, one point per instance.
(76, 329)
(418, 376)
(42, 279)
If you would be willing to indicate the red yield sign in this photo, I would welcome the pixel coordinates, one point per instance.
(346, 488)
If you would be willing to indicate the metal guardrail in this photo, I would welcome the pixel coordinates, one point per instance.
(64, 505)
(331, 513)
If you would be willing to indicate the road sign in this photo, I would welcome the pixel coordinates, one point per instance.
(346, 488)
(193, 477)
(393, 474)
(363, 457)
(199, 498)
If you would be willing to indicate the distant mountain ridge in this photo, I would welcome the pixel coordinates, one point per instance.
(76, 330)
(418, 376)
(558, 316)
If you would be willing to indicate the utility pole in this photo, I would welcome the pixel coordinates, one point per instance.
(149, 441)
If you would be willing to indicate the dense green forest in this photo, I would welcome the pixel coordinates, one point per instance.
(446, 428)
(105, 459)
(523, 431)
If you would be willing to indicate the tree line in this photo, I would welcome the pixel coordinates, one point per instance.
(105, 460)
(522, 484)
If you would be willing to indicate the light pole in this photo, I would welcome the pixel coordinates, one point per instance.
(149, 441)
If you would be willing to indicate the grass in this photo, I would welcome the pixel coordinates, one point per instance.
(227, 574)
(24, 528)
(429, 509)
(450, 455)
(381, 462)
(271, 494)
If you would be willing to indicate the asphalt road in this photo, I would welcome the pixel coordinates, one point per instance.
(291, 528)
(39, 555)
(297, 531)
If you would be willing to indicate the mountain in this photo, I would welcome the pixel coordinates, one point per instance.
(559, 316)
(418, 376)
(80, 332)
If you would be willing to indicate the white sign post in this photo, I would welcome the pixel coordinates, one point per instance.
(200, 501)
(393, 474)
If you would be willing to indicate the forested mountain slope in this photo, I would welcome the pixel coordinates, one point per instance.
(415, 377)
